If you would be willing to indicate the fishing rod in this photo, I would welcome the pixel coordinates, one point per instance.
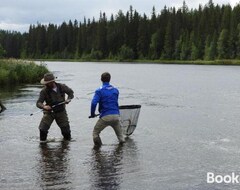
(65, 102)
(36, 112)
(93, 116)
(90, 93)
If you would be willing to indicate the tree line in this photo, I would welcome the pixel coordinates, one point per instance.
(209, 32)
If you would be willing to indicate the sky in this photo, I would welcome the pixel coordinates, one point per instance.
(18, 15)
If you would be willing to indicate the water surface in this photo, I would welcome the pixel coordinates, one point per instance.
(188, 126)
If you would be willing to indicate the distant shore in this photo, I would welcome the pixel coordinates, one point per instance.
(13, 71)
(187, 62)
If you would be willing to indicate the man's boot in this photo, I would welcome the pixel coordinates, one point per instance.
(43, 135)
(67, 136)
(66, 133)
(97, 141)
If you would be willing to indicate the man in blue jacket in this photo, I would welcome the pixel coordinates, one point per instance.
(107, 98)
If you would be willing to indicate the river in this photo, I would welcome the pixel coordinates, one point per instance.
(188, 126)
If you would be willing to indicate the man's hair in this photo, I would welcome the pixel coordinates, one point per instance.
(105, 77)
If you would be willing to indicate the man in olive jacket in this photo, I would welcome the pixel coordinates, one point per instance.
(52, 101)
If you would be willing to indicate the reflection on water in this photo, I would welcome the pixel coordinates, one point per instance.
(19, 100)
(106, 168)
(108, 164)
(54, 166)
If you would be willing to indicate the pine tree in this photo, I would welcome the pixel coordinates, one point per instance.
(131, 34)
(155, 45)
(213, 48)
(51, 39)
(194, 49)
(238, 42)
(102, 35)
(222, 45)
(63, 40)
(143, 38)
(168, 42)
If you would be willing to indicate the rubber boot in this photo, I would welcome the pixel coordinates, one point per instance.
(43, 135)
(97, 141)
(66, 133)
(67, 136)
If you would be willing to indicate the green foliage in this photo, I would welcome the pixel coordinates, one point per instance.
(20, 72)
(96, 54)
(177, 50)
(222, 45)
(4, 73)
(238, 42)
(155, 45)
(125, 53)
(168, 42)
(143, 39)
(2, 52)
(194, 52)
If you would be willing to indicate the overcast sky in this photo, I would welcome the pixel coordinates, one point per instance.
(17, 15)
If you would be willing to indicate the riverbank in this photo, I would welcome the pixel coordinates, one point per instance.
(14, 72)
(197, 62)
(187, 62)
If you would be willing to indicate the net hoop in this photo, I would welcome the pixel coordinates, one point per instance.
(129, 117)
(129, 106)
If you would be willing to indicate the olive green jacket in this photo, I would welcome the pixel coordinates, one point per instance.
(50, 97)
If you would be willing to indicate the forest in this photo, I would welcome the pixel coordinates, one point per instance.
(209, 32)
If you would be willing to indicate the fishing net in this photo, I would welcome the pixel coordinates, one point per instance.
(129, 117)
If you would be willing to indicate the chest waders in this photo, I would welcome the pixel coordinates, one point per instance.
(58, 114)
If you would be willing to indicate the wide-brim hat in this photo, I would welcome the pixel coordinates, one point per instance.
(48, 77)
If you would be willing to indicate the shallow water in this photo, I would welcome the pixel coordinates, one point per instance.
(188, 126)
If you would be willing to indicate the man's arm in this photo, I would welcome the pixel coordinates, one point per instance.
(94, 103)
(40, 100)
(68, 91)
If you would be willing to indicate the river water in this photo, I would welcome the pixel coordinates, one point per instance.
(188, 126)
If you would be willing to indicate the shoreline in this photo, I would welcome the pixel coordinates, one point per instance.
(230, 62)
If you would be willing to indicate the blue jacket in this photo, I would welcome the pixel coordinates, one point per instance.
(107, 98)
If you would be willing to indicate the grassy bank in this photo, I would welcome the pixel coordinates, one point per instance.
(197, 62)
(14, 72)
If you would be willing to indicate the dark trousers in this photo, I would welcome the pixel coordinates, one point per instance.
(62, 121)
